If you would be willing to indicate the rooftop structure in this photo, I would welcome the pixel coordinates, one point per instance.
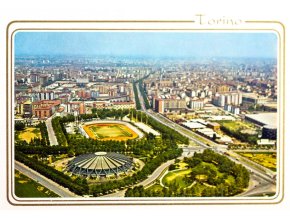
(193, 125)
(262, 119)
(45, 108)
(100, 164)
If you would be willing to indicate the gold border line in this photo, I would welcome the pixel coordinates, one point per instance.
(143, 201)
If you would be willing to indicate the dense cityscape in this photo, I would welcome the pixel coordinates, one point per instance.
(146, 114)
(137, 127)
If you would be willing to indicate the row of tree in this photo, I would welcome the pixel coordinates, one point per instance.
(78, 186)
(198, 190)
(104, 113)
(25, 148)
(58, 128)
(137, 100)
(144, 94)
(44, 133)
(166, 132)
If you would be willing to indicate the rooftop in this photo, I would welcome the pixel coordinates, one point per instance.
(264, 118)
(100, 164)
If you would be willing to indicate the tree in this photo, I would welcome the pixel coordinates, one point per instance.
(94, 110)
(19, 126)
(214, 137)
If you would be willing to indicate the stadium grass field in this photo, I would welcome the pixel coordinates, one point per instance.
(109, 131)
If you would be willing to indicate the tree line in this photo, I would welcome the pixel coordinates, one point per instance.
(59, 130)
(78, 186)
(144, 94)
(137, 100)
(166, 132)
(44, 133)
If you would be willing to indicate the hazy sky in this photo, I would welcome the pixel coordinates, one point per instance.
(154, 44)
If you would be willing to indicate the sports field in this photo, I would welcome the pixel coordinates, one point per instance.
(110, 131)
(29, 133)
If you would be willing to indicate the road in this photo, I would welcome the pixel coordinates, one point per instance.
(145, 182)
(51, 135)
(258, 186)
(51, 185)
(155, 174)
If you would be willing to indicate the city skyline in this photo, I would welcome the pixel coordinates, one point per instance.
(148, 44)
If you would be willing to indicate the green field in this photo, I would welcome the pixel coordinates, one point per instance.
(237, 125)
(181, 177)
(109, 131)
(178, 177)
(28, 188)
(268, 160)
(29, 133)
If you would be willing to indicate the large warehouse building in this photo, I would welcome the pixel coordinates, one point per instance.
(266, 120)
(100, 164)
(262, 119)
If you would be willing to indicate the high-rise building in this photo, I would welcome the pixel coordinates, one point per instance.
(159, 105)
(196, 104)
(45, 95)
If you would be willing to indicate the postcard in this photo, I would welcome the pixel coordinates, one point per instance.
(145, 112)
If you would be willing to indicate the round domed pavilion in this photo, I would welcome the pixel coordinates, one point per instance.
(100, 164)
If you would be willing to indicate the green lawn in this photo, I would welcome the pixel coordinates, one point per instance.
(236, 125)
(28, 188)
(109, 131)
(181, 178)
(177, 177)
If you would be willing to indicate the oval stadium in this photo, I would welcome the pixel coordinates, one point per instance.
(100, 164)
(110, 130)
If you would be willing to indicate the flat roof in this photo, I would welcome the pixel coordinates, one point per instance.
(193, 125)
(264, 118)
